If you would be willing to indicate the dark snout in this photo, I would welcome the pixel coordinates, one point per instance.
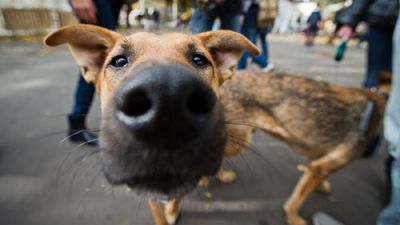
(163, 131)
(167, 105)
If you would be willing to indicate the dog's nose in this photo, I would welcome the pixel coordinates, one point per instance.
(165, 104)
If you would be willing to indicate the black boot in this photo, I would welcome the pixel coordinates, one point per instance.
(78, 132)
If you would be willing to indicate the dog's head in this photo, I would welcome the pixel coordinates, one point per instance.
(162, 123)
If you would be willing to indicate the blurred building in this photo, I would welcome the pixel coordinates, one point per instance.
(33, 16)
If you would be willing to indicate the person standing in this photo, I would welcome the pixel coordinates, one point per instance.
(286, 9)
(314, 23)
(391, 213)
(205, 12)
(258, 20)
(381, 18)
(103, 13)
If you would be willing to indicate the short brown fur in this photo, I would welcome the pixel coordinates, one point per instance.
(318, 120)
(93, 47)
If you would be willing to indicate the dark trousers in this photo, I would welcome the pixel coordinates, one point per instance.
(203, 20)
(379, 53)
(107, 17)
(249, 29)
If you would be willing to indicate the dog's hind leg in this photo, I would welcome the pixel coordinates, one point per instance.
(313, 177)
(307, 183)
(324, 187)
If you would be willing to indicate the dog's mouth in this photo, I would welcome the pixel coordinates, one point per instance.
(164, 185)
(163, 130)
(156, 185)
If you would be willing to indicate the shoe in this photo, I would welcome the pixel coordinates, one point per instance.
(78, 132)
(321, 218)
(82, 136)
(268, 68)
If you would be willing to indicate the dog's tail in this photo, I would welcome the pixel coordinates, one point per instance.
(372, 120)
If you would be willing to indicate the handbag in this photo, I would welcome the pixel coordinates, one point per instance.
(267, 13)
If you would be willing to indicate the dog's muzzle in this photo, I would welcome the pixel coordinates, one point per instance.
(163, 131)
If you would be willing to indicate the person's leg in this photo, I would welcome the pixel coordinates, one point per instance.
(83, 98)
(77, 131)
(379, 54)
(248, 29)
(251, 34)
(230, 21)
(116, 8)
(201, 21)
(391, 214)
(107, 16)
(262, 60)
(107, 13)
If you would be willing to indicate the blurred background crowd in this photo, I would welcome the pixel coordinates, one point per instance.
(33, 16)
(332, 22)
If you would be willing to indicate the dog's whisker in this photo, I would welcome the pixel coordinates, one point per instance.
(139, 205)
(242, 156)
(71, 135)
(230, 163)
(78, 169)
(200, 192)
(78, 132)
(252, 148)
(239, 178)
(112, 192)
(234, 145)
(98, 172)
(70, 153)
(241, 123)
(79, 160)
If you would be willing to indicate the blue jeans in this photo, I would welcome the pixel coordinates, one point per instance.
(379, 54)
(107, 17)
(203, 21)
(249, 29)
(391, 214)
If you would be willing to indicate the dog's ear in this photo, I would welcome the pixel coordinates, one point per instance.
(89, 45)
(226, 47)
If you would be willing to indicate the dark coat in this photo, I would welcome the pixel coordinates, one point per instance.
(228, 6)
(381, 13)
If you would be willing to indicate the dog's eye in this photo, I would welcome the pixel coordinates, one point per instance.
(200, 60)
(119, 61)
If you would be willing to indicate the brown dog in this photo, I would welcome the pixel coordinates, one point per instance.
(328, 124)
(163, 126)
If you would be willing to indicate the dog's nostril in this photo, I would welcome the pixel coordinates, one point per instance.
(136, 103)
(200, 102)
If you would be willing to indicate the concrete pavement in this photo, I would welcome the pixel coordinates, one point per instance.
(45, 180)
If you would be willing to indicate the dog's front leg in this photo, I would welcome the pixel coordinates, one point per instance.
(171, 211)
(157, 210)
(165, 213)
(226, 176)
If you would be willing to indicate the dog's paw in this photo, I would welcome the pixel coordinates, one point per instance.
(325, 187)
(295, 220)
(302, 168)
(171, 218)
(203, 182)
(226, 176)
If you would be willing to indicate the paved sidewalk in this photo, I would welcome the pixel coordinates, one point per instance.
(47, 181)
